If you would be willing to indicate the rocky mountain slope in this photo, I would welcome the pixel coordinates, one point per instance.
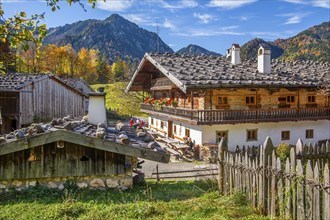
(114, 36)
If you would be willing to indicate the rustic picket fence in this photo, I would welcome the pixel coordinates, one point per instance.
(298, 188)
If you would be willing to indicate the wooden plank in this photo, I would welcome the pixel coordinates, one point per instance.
(326, 194)
(300, 192)
(316, 195)
(309, 191)
(280, 192)
(288, 192)
(222, 147)
(273, 187)
(293, 184)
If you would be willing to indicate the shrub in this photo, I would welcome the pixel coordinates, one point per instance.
(282, 151)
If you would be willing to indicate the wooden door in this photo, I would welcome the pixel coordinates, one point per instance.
(170, 129)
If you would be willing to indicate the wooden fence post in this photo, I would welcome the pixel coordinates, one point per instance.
(273, 193)
(316, 197)
(300, 192)
(288, 192)
(309, 191)
(326, 195)
(293, 183)
(265, 152)
(222, 147)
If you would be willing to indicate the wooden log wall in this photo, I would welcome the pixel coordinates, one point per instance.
(49, 99)
(297, 187)
(264, 98)
(71, 160)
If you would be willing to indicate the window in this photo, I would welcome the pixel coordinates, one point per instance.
(220, 134)
(174, 129)
(222, 100)
(309, 133)
(290, 99)
(252, 135)
(311, 98)
(156, 122)
(187, 132)
(152, 121)
(161, 124)
(250, 100)
(285, 135)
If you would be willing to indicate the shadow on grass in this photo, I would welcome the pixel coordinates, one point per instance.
(151, 191)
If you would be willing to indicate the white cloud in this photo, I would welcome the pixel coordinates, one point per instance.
(180, 4)
(204, 18)
(243, 18)
(266, 35)
(315, 3)
(114, 5)
(168, 24)
(143, 19)
(294, 18)
(321, 3)
(229, 4)
(209, 32)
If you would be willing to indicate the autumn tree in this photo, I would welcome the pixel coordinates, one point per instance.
(119, 70)
(103, 70)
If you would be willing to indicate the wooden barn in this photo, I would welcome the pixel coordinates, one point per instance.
(27, 98)
(53, 154)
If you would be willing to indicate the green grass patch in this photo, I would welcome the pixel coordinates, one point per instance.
(163, 200)
(119, 101)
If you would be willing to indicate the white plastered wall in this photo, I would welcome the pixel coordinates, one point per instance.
(237, 133)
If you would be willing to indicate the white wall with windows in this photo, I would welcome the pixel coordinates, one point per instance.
(252, 134)
(238, 133)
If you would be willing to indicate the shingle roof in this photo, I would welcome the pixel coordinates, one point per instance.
(217, 72)
(13, 81)
(78, 84)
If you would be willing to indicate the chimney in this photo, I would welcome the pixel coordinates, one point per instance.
(264, 65)
(96, 107)
(235, 54)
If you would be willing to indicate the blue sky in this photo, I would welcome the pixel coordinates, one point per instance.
(212, 24)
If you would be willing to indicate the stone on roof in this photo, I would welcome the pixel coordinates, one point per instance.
(217, 72)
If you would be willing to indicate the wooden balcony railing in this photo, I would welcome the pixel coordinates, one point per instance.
(241, 116)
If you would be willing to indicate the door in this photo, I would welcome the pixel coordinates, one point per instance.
(170, 129)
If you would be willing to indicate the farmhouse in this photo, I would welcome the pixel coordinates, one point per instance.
(242, 100)
(25, 98)
(95, 156)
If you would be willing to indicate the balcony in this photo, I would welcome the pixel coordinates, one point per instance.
(204, 117)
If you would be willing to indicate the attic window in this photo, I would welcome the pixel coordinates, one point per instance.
(84, 158)
(260, 51)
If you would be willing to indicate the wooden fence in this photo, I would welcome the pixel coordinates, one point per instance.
(297, 187)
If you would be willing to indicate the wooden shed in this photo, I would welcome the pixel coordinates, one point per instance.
(51, 155)
(27, 98)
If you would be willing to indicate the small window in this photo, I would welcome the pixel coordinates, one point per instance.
(187, 132)
(309, 133)
(152, 121)
(161, 124)
(220, 135)
(285, 135)
(311, 98)
(156, 122)
(290, 99)
(174, 129)
(250, 100)
(252, 135)
(222, 100)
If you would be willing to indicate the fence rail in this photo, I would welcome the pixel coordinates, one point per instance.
(248, 116)
(297, 187)
(183, 174)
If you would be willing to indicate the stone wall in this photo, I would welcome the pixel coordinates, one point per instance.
(121, 182)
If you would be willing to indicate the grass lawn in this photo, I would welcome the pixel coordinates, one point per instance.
(164, 200)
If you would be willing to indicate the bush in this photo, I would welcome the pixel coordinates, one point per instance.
(282, 151)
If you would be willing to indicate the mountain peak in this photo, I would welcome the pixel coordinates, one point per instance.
(196, 50)
(115, 37)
